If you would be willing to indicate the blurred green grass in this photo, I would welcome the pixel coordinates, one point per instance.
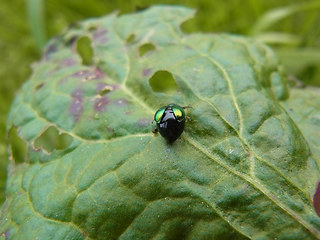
(290, 26)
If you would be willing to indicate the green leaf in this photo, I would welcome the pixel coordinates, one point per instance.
(242, 169)
(303, 107)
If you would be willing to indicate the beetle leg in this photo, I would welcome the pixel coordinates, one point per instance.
(155, 130)
(189, 119)
(186, 107)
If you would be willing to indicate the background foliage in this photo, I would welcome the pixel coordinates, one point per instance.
(289, 26)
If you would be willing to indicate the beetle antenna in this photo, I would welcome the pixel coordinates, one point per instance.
(186, 107)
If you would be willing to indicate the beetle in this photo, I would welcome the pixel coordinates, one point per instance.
(170, 121)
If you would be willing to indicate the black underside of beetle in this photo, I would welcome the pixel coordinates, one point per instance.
(171, 129)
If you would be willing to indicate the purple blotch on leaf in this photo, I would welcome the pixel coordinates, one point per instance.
(100, 104)
(5, 234)
(146, 72)
(121, 102)
(316, 199)
(68, 62)
(89, 74)
(98, 73)
(65, 63)
(49, 50)
(82, 74)
(76, 106)
(77, 93)
(100, 36)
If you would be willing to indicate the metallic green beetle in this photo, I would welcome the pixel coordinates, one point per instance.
(170, 121)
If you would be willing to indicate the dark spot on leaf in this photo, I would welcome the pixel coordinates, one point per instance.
(89, 75)
(145, 72)
(316, 199)
(38, 86)
(103, 40)
(145, 48)
(82, 74)
(51, 140)
(98, 74)
(76, 108)
(84, 49)
(100, 33)
(77, 93)
(100, 104)
(130, 39)
(50, 49)
(65, 63)
(100, 36)
(163, 81)
(144, 122)
(121, 102)
(18, 147)
(85, 75)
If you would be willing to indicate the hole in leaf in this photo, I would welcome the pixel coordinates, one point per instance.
(85, 50)
(316, 200)
(38, 86)
(163, 81)
(145, 48)
(51, 140)
(130, 39)
(18, 146)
